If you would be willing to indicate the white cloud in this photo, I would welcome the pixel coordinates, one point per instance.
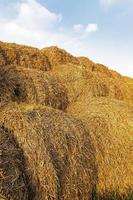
(28, 22)
(91, 28)
(35, 25)
(85, 30)
(32, 15)
(78, 27)
(32, 24)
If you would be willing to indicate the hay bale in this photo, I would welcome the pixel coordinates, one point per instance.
(104, 82)
(93, 67)
(111, 127)
(57, 56)
(15, 85)
(69, 145)
(102, 86)
(81, 83)
(103, 69)
(3, 55)
(68, 170)
(38, 167)
(97, 67)
(13, 178)
(129, 82)
(31, 86)
(86, 62)
(73, 78)
(50, 90)
(117, 85)
(23, 56)
(32, 58)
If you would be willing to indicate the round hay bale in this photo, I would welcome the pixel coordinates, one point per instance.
(69, 145)
(86, 62)
(126, 88)
(111, 127)
(2, 61)
(103, 69)
(129, 82)
(38, 166)
(97, 67)
(23, 56)
(103, 82)
(109, 83)
(50, 90)
(57, 56)
(81, 83)
(93, 67)
(69, 151)
(73, 77)
(33, 58)
(15, 85)
(31, 86)
(7, 55)
(102, 86)
(13, 178)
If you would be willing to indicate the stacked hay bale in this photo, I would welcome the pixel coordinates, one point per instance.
(129, 82)
(108, 80)
(102, 86)
(72, 77)
(13, 179)
(103, 69)
(86, 62)
(7, 54)
(57, 56)
(105, 82)
(15, 86)
(96, 67)
(31, 86)
(111, 127)
(23, 56)
(85, 156)
(84, 77)
(59, 156)
(38, 167)
(80, 83)
(49, 89)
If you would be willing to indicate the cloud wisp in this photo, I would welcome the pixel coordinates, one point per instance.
(78, 27)
(90, 28)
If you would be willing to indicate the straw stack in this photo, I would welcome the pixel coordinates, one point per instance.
(57, 56)
(111, 127)
(59, 156)
(31, 86)
(23, 56)
(80, 83)
(13, 179)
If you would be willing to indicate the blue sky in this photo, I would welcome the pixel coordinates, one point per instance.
(99, 29)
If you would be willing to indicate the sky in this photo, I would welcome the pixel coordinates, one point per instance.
(99, 29)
